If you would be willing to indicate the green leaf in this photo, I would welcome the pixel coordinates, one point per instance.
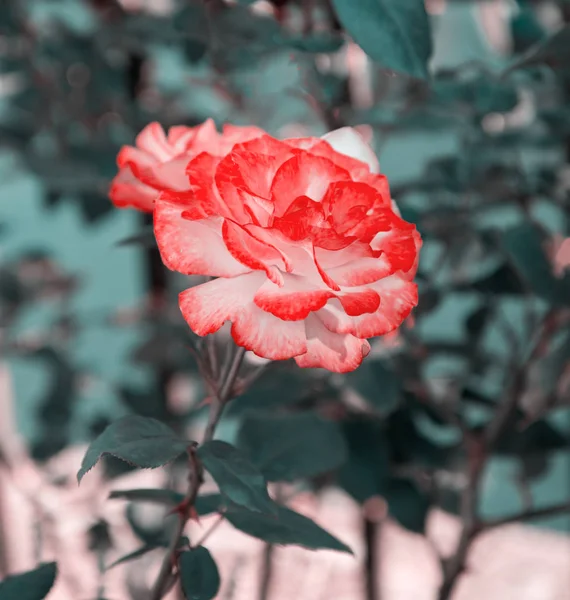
(155, 496)
(199, 574)
(395, 33)
(139, 441)
(33, 585)
(209, 503)
(407, 504)
(238, 479)
(377, 385)
(524, 246)
(289, 447)
(554, 52)
(287, 527)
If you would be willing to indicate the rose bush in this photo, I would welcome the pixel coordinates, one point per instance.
(158, 160)
(311, 255)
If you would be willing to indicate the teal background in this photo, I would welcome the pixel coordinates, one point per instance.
(113, 277)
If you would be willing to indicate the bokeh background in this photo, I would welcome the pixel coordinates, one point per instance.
(477, 157)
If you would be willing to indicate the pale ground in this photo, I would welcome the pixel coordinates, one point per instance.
(513, 562)
(509, 563)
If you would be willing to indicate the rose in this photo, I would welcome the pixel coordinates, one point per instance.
(310, 255)
(158, 161)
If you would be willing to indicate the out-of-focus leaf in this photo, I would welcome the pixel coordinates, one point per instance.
(146, 402)
(526, 30)
(502, 281)
(315, 43)
(99, 537)
(246, 36)
(56, 408)
(534, 466)
(131, 556)
(238, 479)
(94, 206)
(524, 246)
(366, 473)
(154, 496)
(289, 447)
(554, 52)
(482, 94)
(538, 438)
(410, 446)
(12, 291)
(277, 386)
(144, 238)
(153, 534)
(395, 33)
(286, 527)
(209, 503)
(477, 321)
(199, 574)
(407, 504)
(554, 364)
(140, 441)
(33, 585)
(377, 384)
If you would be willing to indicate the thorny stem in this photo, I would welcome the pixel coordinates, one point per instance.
(167, 575)
(479, 449)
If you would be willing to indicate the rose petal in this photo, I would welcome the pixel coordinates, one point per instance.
(152, 139)
(126, 190)
(397, 299)
(266, 335)
(294, 301)
(208, 306)
(336, 352)
(303, 175)
(347, 140)
(192, 247)
(252, 252)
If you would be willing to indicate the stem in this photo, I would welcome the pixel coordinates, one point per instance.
(470, 525)
(266, 572)
(372, 532)
(166, 577)
(268, 553)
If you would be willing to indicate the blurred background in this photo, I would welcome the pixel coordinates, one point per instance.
(477, 157)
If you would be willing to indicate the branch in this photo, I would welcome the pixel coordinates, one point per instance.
(479, 449)
(529, 515)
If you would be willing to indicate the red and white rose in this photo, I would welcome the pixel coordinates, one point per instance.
(310, 254)
(158, 160)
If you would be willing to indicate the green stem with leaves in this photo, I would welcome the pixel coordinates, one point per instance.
(168, 576)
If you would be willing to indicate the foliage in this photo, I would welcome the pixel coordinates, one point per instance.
(482, 371)
(33, 585)
(139, 441)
